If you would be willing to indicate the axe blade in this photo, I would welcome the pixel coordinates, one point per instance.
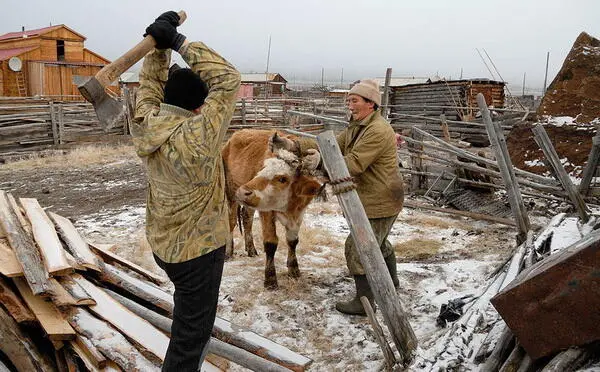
(108, 110)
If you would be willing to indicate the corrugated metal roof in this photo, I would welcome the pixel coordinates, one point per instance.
(36, 32)
(70, 63)
(258, 77)
(130, 77)
(8, 53)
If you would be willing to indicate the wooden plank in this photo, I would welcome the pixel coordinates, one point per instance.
(543, 141)
(76, 244)
(14, 305)
(109, 256)
(24, 247)
(591, 167)
(46, 237)
(47, 314)
(93, 354)
(9, 264)
(60, 296)
(19, 348)
(134, 327)
(111, 367)
(370, 255)
(75, 290)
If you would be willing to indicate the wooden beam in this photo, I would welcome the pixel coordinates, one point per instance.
(14, 305)
(76, 244)
(85, 358)
(543, 141)
(477, 216)
(109, 256)
(85, 345)
(370, 255)
(75, 290)
(47, 314)
(388, 354)
(591, 166)
(46, 237)
(134, 327)
(24, 248)
(9, 264)
(60, 296)
(498, 144)
(109, 341)
(19, 348)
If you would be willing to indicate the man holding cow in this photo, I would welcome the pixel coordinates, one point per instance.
(368, 145)
(180, 124)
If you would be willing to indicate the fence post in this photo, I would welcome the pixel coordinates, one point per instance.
(416, 160)
(386, 93)
(592, 165)
(61, 124)
(53, 123)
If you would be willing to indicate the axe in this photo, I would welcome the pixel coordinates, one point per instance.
(108, 110)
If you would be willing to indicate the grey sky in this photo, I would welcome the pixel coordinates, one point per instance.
(415, 38)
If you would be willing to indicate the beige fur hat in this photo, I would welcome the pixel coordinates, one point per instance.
(368, 89)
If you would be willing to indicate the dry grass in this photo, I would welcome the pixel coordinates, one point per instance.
(74, 158)
(435, 222)
(417, 249)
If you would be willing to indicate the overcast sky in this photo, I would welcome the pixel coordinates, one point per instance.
(414, 38)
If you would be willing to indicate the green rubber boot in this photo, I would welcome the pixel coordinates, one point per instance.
(390, 262)
(354, 306)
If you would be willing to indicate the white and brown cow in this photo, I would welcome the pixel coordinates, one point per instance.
(262, 174)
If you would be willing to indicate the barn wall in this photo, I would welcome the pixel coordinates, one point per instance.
(73, 51)
(63, 34)
(48, 52)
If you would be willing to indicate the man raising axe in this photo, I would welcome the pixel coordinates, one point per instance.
(180, 123)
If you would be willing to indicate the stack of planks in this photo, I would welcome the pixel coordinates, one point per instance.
(96, 311)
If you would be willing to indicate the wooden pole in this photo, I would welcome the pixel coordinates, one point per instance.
(506, 170)
(53, 123)
(388, 354)
(243, 111)
(445, 131)
(416, 159)
(386, 93)
(368, 250)
(542, 139)
(591, 167)
(61, 124)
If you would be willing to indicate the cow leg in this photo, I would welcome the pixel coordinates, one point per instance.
(247, 220)
(292, 260)
(232, 223)
(270, 242)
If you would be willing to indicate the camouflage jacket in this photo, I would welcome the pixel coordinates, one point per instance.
(186, 210)
(369, 150)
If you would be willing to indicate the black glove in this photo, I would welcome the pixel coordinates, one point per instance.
(170, 16)
(165, 34)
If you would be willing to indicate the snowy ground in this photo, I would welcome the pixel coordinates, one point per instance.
(440, 258)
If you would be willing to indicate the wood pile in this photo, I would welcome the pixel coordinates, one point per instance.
(481, 336)
(67, 305)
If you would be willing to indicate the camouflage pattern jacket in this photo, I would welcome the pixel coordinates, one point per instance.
(186, 210)
(369, 150)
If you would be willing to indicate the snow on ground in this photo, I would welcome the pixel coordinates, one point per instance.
(451, 257)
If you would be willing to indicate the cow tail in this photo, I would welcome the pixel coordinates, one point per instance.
(240, 218)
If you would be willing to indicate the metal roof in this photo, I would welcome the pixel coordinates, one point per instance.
(8, 53)
(258, 77)
(130, 77)
(36, 32)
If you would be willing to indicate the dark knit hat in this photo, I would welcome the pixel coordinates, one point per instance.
(185, 89)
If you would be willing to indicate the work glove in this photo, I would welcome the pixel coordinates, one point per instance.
(171, 17)
(312, 159)
(165, 34)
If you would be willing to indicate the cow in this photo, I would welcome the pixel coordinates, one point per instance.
(262, 173)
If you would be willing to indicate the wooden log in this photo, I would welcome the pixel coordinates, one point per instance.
(506, 169)
(591, 167)
(416, 160)
(108, 256)
(46, 238)
(76, 291)
(368, 249)
(134, 327)
(24, 248)
(54, 122)
(19, 348)
(477, 216)
(60, 296)
(83, 356)
(444, 125)
(76, 244)
(489, 342)
(46, 313)
(388, 354)
(512, 363)
(159, 321)
(568, 360)
(503, 347)
(543, 141)
(110, 342)
(14, 305)
(9, 264)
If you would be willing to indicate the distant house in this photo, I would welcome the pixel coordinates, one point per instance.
(130, 79)
(262, 85)
(49, 61)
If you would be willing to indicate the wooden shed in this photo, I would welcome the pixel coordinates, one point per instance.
(457, 99)
(49, 61)
(270, 84)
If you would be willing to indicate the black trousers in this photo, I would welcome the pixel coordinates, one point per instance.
(197, 283)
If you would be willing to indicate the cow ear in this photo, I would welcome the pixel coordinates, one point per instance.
(276, 143)
(310, 188)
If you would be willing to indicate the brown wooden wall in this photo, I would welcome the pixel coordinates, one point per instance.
(493, 93)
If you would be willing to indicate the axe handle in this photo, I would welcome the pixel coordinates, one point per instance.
(113, 70)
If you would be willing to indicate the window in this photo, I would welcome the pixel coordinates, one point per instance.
(60, 50)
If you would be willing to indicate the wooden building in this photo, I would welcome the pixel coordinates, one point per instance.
(263, 85)
(48, 62)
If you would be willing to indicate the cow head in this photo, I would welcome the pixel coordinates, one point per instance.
(284, 176)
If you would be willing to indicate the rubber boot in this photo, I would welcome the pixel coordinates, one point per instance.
(390, 262)
(354, 306)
